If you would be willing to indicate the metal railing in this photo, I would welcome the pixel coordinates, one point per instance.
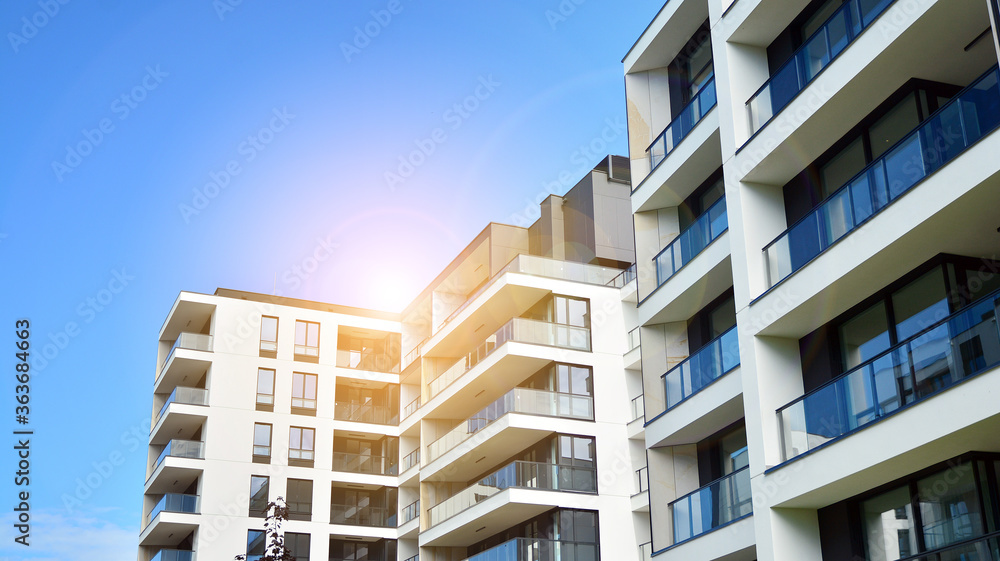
(518, 400)
(410, 460)
(633, 340)
(183, 395)
(692, 241)
(642, 480)
(363, 463)
(411, 511)
(181, 449)
(173, 502)
(638, 408)
(711, 362)
(518, 474)
(411, 407)
(819, 50)
(682, 124)
(521, 330)
(374, 516)
(958, 347)
(624, 277)
(966, 118)
(723, 501)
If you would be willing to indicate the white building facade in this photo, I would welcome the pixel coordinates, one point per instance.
(815, 195)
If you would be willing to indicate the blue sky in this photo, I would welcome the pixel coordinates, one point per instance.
(153, 147)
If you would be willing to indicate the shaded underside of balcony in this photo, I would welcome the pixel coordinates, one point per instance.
(179, 421)
(168, 529)
(173, 475)
(185, 367)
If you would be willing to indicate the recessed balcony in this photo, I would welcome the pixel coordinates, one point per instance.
(535, 549)
(691, 242)
(364, 463)
(176, 467)
(365, 413)
(963, 121)
(181, 415)
(171, 515)
(713, 506)
(682, 125)
(961, 346)
(520, 330)
(519, 400)
(359, 515)
(713, 361)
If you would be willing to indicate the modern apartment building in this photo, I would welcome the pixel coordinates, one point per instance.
(816, 186)
(493, 419)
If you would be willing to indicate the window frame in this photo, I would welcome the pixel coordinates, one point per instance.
(295, 513)
(300, 405)
(302, 458)
(264, 405)
(266, 487)
(304, 351)
(255, 448)
(269, 350)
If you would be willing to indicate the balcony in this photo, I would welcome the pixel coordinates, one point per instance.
(638, 408)
(520, 330)
(691, 242)
(410, 460)
(365, 413)
(411, 408)
(363, 463)
(173, 502)
(518, 474)
(713, 361)
(518, 400)
(185, 395)
(368, 360)
(721, 502)
(191, 341)
(682, 125)
(535, 549)
(963, 345)
(967, 118)
(173, 555)
(623, 278)
(181, 449)
(811, 58)
(354, 515)
(411, 511)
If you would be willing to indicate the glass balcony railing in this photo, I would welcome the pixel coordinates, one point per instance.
(173, 502)
(193, 341)
(518, 474)
(411, 511)
(646, 551)
(410, 460)
(365, 413)
(968, 117)
(369, 360)
(173, 555)
(983, 548)
(181, 449)
(518, 400)
(372, 516)
(363, 463)
(414, 558)
(536, 549)
(682, 124)
(633, 339)
(942, 355)
(543, 267)
(638, 408)
(839, 31)
(692, 241)
(708, 364)
(714, 505)
(185, 395)
(520, 330)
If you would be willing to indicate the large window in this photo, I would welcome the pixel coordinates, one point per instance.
(298, 545)
(691, 69)
(931, 510)
(268, 336)
(265, 389)
(258, 495)
(304, 393)
(261, 443)
(299, 500)
(306, 341)
(301, 442)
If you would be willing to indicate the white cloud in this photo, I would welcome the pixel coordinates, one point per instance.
(84, 536)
